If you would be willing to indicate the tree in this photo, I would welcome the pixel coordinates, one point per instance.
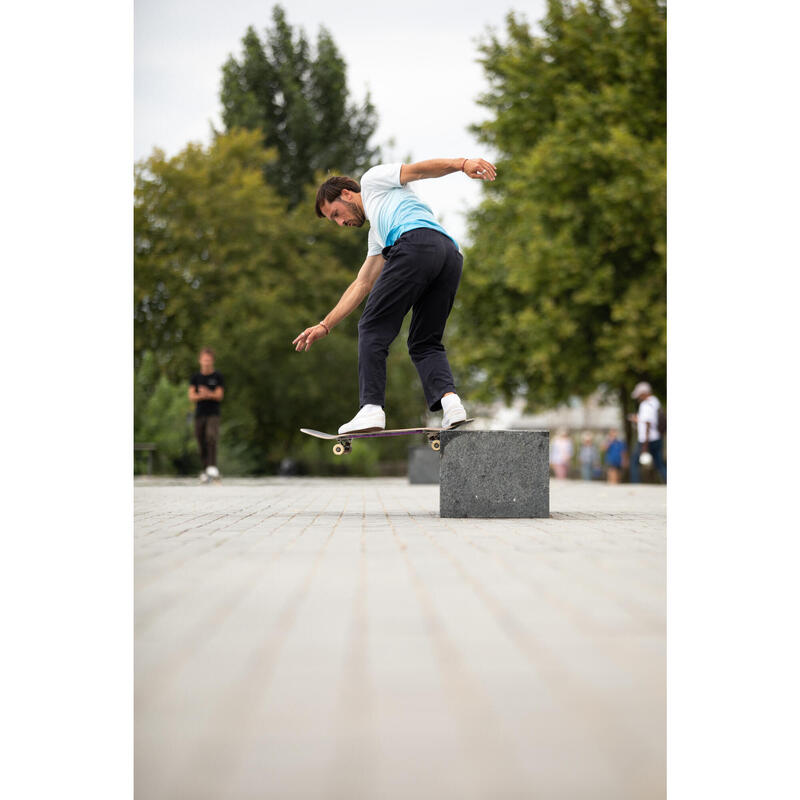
(565, 288)
(221, 261)
(161, 415)
(300, 103)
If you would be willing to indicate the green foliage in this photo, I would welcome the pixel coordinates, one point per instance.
(300, 103)
(161, 415)
(221, 261)
(317, 455)
(564, 287)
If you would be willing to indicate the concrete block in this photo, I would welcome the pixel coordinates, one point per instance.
(423, 464)
(494, 474)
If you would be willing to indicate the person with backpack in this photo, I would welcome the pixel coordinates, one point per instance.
(650, 428)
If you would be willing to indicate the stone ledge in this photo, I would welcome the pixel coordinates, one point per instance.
(494, 474)
(423, 464)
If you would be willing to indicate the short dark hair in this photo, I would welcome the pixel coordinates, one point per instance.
(332, 188)
(209, 351)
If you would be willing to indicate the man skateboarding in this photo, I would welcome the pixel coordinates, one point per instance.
(412, 263)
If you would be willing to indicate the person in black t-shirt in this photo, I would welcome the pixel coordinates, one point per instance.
(207, 390)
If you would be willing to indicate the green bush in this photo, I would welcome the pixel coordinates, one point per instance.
(162, 415)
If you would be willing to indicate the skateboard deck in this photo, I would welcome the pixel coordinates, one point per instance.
(343, 440)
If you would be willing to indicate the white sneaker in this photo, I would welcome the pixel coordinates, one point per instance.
(452, 410)
(212, 472)
(203, 477)
(369, 418)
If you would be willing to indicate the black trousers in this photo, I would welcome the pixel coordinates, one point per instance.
(422, 272)
(206, 429)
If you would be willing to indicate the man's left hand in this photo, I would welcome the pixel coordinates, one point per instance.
(479, 168)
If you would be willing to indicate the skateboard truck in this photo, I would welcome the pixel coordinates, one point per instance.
(344, 446)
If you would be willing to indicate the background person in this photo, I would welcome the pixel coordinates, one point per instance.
(561, 454)
(587, 456)
(207, 390)
(616, 454)
(648, 434)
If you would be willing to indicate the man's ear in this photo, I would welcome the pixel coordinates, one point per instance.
(346, 195)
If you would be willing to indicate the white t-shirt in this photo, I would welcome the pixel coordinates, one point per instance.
(648, 412)
(392, 208)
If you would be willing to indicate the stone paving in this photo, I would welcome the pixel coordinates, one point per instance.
(334, 638)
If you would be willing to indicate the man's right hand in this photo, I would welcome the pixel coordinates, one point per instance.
(308, 337)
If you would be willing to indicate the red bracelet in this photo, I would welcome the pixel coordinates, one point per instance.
(462, 164)
(327, 329)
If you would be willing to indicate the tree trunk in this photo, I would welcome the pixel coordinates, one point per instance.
(625, 403)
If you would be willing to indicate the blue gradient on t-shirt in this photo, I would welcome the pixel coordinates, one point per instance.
(403, 211)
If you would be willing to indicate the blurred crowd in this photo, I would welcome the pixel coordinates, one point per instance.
(593, 455)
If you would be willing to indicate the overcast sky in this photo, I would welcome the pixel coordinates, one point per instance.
(417, 59)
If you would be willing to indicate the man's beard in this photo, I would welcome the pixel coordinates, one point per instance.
(360, 219)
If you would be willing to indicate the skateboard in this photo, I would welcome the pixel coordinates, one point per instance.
(343, 440)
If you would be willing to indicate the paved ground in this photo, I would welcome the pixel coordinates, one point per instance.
(327, 638)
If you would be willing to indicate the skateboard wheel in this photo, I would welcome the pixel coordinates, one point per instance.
(339, 449)
(436, 444)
